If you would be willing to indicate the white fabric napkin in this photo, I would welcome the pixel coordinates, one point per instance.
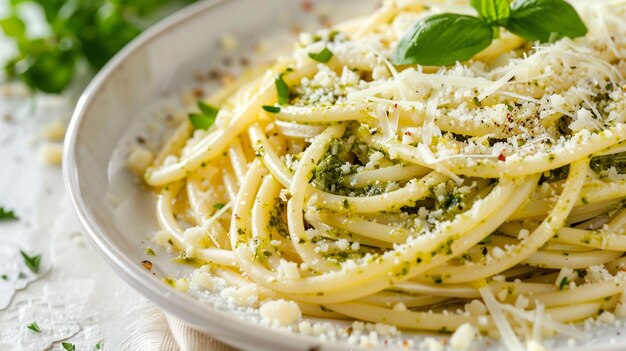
(157, 331)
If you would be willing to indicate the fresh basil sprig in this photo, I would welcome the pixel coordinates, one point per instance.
(446, 38)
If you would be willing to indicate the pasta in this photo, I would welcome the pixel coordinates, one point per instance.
(488, 193)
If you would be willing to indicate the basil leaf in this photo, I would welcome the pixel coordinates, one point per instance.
(282, 89)
(322, 56)
(271, 109)
(545, 20)
(442, 40)
(492, 11)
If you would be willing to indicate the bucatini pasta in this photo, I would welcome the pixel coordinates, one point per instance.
(489, 193)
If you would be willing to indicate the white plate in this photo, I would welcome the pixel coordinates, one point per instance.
(116, 211)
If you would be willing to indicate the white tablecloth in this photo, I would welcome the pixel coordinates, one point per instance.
(76, 298)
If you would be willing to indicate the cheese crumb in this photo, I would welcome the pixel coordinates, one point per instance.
(246, 295)
(202, 278)
(476, 308)
(432, 344)
(463, 337)
(229, 42)
(535, 346)
(288, 270)
(280, 312)
(51, 153)
(53, 130)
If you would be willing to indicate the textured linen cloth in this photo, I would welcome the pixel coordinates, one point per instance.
(158, 331)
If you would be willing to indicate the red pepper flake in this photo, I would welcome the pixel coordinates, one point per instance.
(237, 216)
(509, 117)
(501, 157)
(147, 265)
(307, 5)
(395, 105)
(215, 74)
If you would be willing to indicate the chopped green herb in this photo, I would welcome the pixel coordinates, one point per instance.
(200, 121)
(68, 346)
(563, 283)
(486, 240)
(21, 275)
(31, 262)
(271, 109)
(206, 118)
(7, 215)
(282, 89)
(555, 175)
(150, 252)
(322, 56)
(99, 345)
(219, 206)
(208, 110)
(444, 330)
(34, 327)
(4, 277)
(601, 163)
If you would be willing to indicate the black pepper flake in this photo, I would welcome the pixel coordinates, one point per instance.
(215, 74)
(197, 92)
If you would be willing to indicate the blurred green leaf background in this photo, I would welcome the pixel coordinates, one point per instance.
(80, 31)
